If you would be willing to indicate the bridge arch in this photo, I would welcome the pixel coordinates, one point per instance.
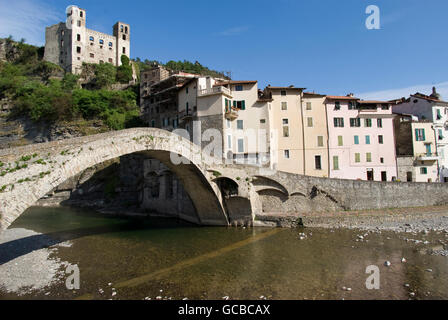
(33, 171)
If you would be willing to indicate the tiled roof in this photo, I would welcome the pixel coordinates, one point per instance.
(341, 98)
(218, 84)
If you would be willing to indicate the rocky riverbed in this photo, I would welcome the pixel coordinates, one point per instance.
(28, 262)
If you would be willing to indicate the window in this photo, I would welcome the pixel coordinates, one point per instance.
(379, 123)
(356, 139)
(424, 170)
(79, 23)
(78, 37)
(339, 122)
(441, 134)
(110, 60)
(384, 107)
(124, 37)
(78, 49)
(286, 154)
(351, 105)
(240, 104)
(110, 44)
(240, 125)
(382, 160)
(229, 125)
(368, 157)
(367, 139)
(81, 14)
(380, 139)
(368, 123)
(285, 128)
(101, 41)
(121, 28)
(320, 141)
(357, 157)
(308, 106)
(126, 29)
(439, 115)
(318, 162)
(340, 141)
(355, 122)
(284, 106)
(240, 145)
(310, 122)
(263, 121)
(91, 38)
(124, 50)
(283, 92)
(420, 135)
(239, 88)
(229, 141)
(337, 105)
(335, 163)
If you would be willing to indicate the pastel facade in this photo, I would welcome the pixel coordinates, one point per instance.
(361, 143)
(70, 44)
(315, 135)
(286, 127)
(433, 109)
(416, 145)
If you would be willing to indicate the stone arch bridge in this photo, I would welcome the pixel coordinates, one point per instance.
(29, 173)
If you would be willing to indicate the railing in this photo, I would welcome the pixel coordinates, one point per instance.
(428, 156)
(231, 113)
(214, 90)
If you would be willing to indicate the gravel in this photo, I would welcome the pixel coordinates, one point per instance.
(26, 264)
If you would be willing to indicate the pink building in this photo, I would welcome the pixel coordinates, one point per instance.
(361, 139)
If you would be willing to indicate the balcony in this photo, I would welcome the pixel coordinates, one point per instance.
(186, 115)
(427, 157)
(231, 113)
(213, 91)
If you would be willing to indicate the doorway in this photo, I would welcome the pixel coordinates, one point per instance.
(370, 176)
(409, 177)
(383, 176)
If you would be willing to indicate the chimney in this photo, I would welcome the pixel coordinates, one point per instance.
(351, 95)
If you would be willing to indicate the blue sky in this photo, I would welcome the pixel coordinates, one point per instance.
(322, 45)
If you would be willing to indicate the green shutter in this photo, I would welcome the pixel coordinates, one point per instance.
(234, 104)
(243, 105)
(424, 137)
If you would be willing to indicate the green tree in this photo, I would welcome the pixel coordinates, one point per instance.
(124, 72)
(105, 75)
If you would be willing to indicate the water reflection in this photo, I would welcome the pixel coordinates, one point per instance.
(141, 258)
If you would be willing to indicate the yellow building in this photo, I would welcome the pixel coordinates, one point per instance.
(286, 126)
(315, 135)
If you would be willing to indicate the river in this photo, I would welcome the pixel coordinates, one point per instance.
(123, 258)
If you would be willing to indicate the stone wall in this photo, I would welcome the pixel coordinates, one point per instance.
(405, 164)
(302, 194)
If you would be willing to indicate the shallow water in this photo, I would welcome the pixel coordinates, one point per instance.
(142, 257)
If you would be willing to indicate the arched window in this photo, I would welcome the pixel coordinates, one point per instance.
(101, 41)
(126, 30)
(91, 38)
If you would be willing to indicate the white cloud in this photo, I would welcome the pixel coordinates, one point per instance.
(233, 31)
(442, 89)
(27, 19)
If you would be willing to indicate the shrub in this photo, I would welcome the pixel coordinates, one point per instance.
(105, 75)
(124, 72)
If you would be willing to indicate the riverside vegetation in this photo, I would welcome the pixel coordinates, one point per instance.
(43, 92)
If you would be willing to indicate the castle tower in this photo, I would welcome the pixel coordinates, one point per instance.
(122, 32)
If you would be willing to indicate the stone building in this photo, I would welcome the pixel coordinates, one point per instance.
(435, 110)
(69, 44)
(417, 158)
